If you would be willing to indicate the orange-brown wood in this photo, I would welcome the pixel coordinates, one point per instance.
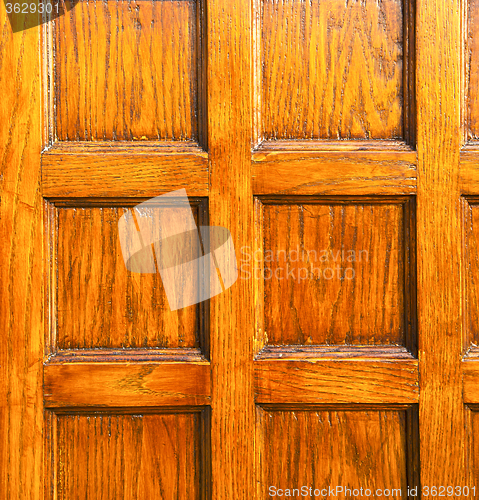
(332, 70)
(344, 172)
(128, 71)
(118, 170)
(293, 124)
(130, 456)
(323, 449)
(98, 302)
(21, 263)
(311, 380)
(440, 90)
(231, 206)
(126, 385)
(334, 272)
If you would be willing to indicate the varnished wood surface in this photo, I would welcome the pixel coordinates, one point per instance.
(126, 385)
(469, 169)
(440, 66)
(336, 381)
(334, 172)
(472, 71)
(129, 456)
(323, 449)
(229, 69)
(119, 170)
(127, 71)
(337, 409)
(21, 263)
(332, 70)
(99, 303)
(333, 273)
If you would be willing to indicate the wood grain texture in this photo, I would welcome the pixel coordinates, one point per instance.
(471, 256)
(334, 273)
(126, 384)
(469, 170)
(440, 85)
(229, 70)
(332, 70)
(98, 302)
(119, 170)
(322, 449)
(98, 456)
(329, 379)
(346, 172)
(472, 70)
(127, 71)
(473, 442)
(21, 263)
(470, 376)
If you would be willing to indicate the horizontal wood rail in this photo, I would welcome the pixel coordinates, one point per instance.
(126, 384)
(380, 171)
(363, 376)
(115, 170)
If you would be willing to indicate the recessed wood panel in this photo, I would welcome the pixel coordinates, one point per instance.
(332, 69)
(98, 456)
(127, 71)
(473, 443)
(472, 269)
(322, 449)
(335, 273)
(97, 302)
(472, 59)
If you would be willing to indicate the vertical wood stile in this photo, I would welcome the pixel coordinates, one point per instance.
(230, 204)
(21, 249)
(439, 91)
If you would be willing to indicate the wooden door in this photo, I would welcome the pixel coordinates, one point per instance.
(337, 141)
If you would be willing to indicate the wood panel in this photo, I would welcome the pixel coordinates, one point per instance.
(21, 262)
(97, 301)
(473, 442)
(335, 273)
(335, 377)
(130, 456)
(328, 448)
(128, 71)
(472, 68)
(123, 169)
(471, 256)
(352, 169)
(332, 70)
(126, 385)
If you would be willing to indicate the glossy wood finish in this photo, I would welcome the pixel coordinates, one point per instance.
(98, 302)
(21, 273)
(440, 266)
(328, 448)
(230, 205)
(472, 71)
(113, 170)
(318, 376)
(132, 456)
(291, 104)
(332, 70)
(334, 273)
(127, 71)
(126, 385)
(347, 169)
